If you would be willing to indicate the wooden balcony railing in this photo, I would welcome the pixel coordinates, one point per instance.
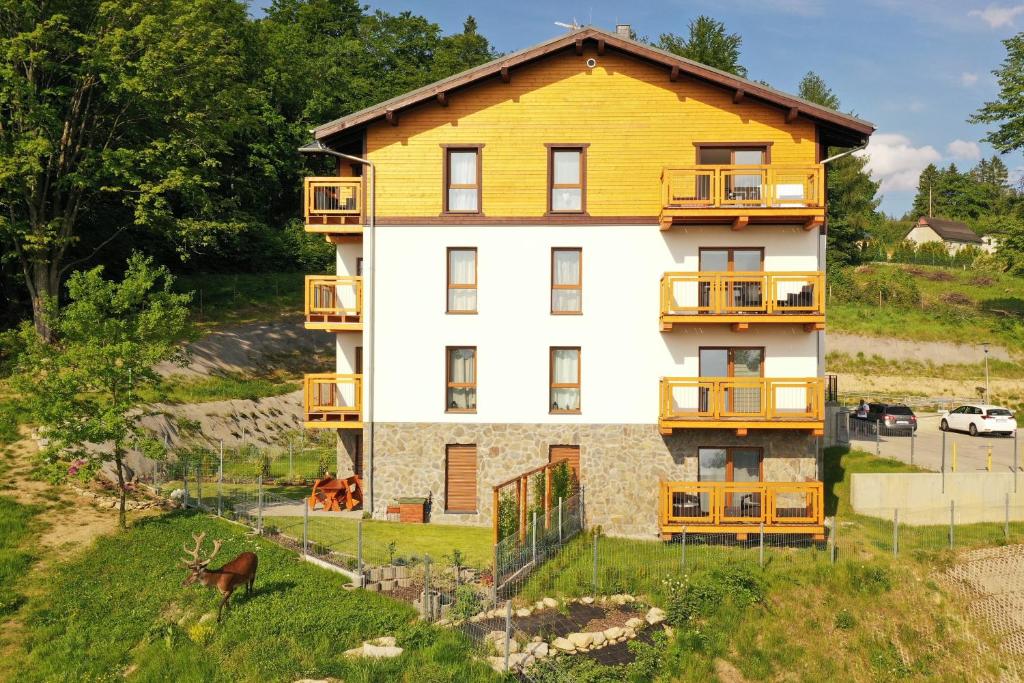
(742, 297)
(742, 403)
(334, 303)
(334, 205)
(333, 401)
(781, 191)
(742, 507)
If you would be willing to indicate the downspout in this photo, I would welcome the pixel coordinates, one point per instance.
(369, 274)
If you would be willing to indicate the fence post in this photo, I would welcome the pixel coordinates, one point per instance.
(199, 483)
(359, 552)
(895, 531)
(913, 431)
(833, 538)
(760, 551)
(682, 552)
(1015, 467)
(494, 581)
(305, 528)
(534, 540)
(508, 630)
(184, 477)
(559, 520)
(878, 438)
(595, 564)
(951, 513)
(988, 459)
(259, 505)
(428, 600)
(220, 481)
(942, 468)
(952, 459)
(1006, 518)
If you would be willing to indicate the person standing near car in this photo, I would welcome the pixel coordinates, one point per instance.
(862, 410)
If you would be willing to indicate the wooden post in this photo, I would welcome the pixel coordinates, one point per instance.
(524, 495)
(494, 514)
(547, 498)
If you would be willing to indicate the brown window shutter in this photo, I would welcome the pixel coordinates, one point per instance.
(460, 479)
(568, 453)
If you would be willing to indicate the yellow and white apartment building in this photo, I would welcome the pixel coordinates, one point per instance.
(588, 250)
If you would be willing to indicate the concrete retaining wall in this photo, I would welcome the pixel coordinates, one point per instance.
(922, 499)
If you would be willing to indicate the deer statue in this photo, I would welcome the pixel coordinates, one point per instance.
(237, 572)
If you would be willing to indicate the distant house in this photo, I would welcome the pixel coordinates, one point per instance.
(954, 234)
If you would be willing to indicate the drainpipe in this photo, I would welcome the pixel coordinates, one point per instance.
(369, 275)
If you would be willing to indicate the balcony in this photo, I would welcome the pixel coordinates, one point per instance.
(332, 401)
(743, 195)
(334, 206)
(741, 508)
(743, 299)
(742, 403)
(334, 303)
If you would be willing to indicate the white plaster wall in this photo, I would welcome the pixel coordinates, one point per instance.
(623, 352)
(923, 233)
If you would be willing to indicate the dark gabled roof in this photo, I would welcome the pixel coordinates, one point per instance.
(952, 231)
(843, 129)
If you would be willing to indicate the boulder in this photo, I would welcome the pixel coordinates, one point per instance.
(613, 633)
(634, 623)
(387, 641)
(536, 639)
(550, 602)
(655, 615)
(497, 663)
(628, 633)
(381, 651)
(538, 650)
(598, 638)
(581, 640)
(587, 600)
(563, 645)
(524, 612)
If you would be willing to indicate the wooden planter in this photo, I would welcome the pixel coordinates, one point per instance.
(412, 510)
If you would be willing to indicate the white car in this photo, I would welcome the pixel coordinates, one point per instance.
(979, 418)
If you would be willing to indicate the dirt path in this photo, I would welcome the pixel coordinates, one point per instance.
(940, 353)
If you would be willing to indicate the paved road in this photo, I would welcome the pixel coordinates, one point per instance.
(972, 452)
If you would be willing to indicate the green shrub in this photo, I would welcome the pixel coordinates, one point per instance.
(508, 514)
(691, 598)
(467, 603)
(890, 286)
(841, 285)
(844, 620)
(868, 578)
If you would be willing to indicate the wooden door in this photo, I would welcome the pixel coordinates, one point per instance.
(570, 454)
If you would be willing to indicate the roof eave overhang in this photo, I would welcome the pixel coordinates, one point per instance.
(839, 130)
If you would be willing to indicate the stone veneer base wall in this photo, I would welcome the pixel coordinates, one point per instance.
(620, 465)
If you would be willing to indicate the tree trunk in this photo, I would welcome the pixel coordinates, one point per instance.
(121, 518)
(43, 284)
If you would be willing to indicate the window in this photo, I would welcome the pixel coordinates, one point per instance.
(567, 176)
(462, 180)
(739, 185)
(460, 478)
(461, 280)
(565, 380)
(566, 281)
(460, 393)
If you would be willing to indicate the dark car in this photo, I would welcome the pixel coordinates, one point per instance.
(889, 416)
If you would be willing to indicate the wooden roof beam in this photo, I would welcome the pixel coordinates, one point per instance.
(738, 96)
(673, 75)
(740, 222)
(813, 222)
(792, 114)
(579, 46)
(506, 75)
(391, 116)
(600, 46)
(442, 98)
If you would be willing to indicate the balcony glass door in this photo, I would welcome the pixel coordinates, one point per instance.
(739, 294)
(738, 186)
(733, 362)
(741, 465)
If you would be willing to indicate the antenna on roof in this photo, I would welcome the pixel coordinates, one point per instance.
(572, 27)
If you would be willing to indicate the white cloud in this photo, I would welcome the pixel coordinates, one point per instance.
(967, 79)
(962, 149)
(996, 15)
(894, 161)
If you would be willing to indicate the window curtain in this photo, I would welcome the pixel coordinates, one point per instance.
(462, 370)
(566, 272)
(462, 271)
(462, 171)
(566, 171)
(565, 371)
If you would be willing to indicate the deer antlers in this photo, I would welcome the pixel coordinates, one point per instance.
(193, 560)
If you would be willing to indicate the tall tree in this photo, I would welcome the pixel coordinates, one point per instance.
(927, 185)
(1008, 110)
(707, 42)
(122, 101)
(852, 194)
(84, 388)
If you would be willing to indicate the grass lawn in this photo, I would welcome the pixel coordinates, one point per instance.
(225, 387)
(16, 530)
(119, 609)
(411, 540)
(232, 298)
(957, 305)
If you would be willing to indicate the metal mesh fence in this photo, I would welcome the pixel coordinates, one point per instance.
(519, 554)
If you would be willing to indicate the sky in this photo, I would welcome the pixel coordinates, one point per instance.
(916, 69)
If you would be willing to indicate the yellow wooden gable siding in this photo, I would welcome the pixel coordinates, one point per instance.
(634, 118)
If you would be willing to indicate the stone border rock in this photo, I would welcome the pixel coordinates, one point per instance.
(383, 647)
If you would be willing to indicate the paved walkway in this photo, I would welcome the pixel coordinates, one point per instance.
(972, 452)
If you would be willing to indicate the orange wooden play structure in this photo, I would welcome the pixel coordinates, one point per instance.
(334, 494)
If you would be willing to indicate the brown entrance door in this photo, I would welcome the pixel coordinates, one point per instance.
(570, 454)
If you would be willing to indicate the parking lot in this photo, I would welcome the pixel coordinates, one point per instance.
(925, 449)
